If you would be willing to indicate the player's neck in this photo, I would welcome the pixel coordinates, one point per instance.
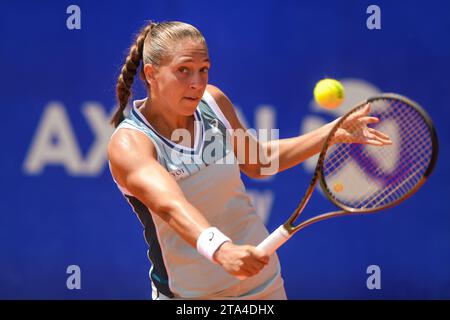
(163, 119)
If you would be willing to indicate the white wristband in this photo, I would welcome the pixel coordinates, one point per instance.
(209, 241)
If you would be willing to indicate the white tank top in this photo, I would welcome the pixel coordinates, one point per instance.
(211, 182)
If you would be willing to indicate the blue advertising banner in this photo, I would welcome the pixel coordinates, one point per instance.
(66, 232)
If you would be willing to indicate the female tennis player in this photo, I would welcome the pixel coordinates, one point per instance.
(199, 222)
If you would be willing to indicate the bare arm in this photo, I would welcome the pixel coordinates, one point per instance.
(134, 166)
(354, 129)
(292, 151)
(278, 155)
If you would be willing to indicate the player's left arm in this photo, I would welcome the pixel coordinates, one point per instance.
(260, 159)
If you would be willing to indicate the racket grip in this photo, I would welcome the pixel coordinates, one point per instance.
(270, 244)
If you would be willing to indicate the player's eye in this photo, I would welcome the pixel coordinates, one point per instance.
(183, 70)
(204, 70)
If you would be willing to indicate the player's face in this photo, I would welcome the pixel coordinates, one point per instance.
(181, 79)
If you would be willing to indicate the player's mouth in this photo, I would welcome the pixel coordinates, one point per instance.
(192, 98)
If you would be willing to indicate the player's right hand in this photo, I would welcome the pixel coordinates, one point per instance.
(241, 261)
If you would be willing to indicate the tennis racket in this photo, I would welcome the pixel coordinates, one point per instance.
(361, 178)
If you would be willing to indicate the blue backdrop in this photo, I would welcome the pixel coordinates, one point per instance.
(60, 207)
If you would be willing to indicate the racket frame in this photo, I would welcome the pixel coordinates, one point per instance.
(318, 172)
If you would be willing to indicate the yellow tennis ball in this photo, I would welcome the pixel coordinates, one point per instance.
(329, 93)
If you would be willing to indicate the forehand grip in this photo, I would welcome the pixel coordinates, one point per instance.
(270, 244)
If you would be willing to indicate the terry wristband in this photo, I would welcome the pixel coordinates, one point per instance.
(209, 241)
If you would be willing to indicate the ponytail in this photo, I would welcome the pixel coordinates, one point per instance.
(126, 77)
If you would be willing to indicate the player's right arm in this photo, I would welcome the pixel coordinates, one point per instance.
(134, 165)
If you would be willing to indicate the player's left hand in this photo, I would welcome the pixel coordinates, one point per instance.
(355, 129)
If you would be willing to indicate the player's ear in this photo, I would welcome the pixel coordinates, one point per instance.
(149, 73)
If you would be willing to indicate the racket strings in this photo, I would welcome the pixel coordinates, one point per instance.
(340, 161)
(403, 186)
(343, 153)
(387, 192)
(408, 157)
(404, 166)
(397, 184)
(419, 146)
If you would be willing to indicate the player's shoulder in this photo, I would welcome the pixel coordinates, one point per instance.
(214, 90)
(223, 102)
(218, 95)
(127, 142)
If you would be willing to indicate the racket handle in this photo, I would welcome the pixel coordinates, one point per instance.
(270, 244)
